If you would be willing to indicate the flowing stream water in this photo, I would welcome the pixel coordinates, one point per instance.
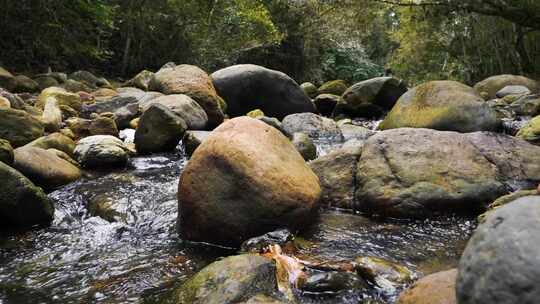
(83, 258)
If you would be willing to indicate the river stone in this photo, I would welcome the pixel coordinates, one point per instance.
(379, 271)
(185, 107)
(45, 168)
(124, 115)
(313, 125)
(332, 281)
(442, 105)
(274, 122)
(45, 81)
(326, 103)
(4, 103)
(351, 131)
(528, 105)
(310, 89)
(101, 152)
(512, 90)
(255, 113)
(103, 126)
(193, 139)
(531, 131)
(334, 87)
(89, 79)
(22, 204)
(19, 127)
(437, 288)
(74, 86)
(63, 155)
(278, 189)
(371, 98)
(489, 87)
(336, 172)
(141, 80)
(417, 172)
(6, 79)
(52, 115)
(6, 152)
(63, 97)
(261, 243)
(14, 100)
(194, 82)
(79, 126)
(104, 93)
(248, 87)
(501, 263)
(54, 141)
(305, 146)
(159, 130)
(231, 280)
(107, 106)
(23, 84)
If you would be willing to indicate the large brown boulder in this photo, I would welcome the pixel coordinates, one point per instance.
(19, 127)
(194, 82)
(248, 87)
(244, 180)
(418, 172)
(442, 105)
(437, 288)
(489, 87)
(44, 168)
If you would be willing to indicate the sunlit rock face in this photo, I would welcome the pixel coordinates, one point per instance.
(244, 180)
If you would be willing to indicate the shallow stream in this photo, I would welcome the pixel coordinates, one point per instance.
(82, 258)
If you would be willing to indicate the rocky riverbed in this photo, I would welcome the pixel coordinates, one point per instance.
(242, 186)
(82, 257)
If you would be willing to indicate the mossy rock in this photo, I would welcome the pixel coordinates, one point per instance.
(310, 89)
(22, 204)
(63, 97)
(19, 127)
(234, 279)
(442, 105)
(531, 131)
(57, 141)
(255, 113)
(6, 152)
(334, 87)
(489, 87)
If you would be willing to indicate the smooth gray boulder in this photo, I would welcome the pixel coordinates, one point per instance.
(247, 87)
(313, 125)
(501, 263)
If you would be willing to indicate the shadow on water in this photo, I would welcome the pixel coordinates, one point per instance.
(83, 258)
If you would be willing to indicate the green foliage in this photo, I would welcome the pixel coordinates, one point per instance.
(350, 64)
